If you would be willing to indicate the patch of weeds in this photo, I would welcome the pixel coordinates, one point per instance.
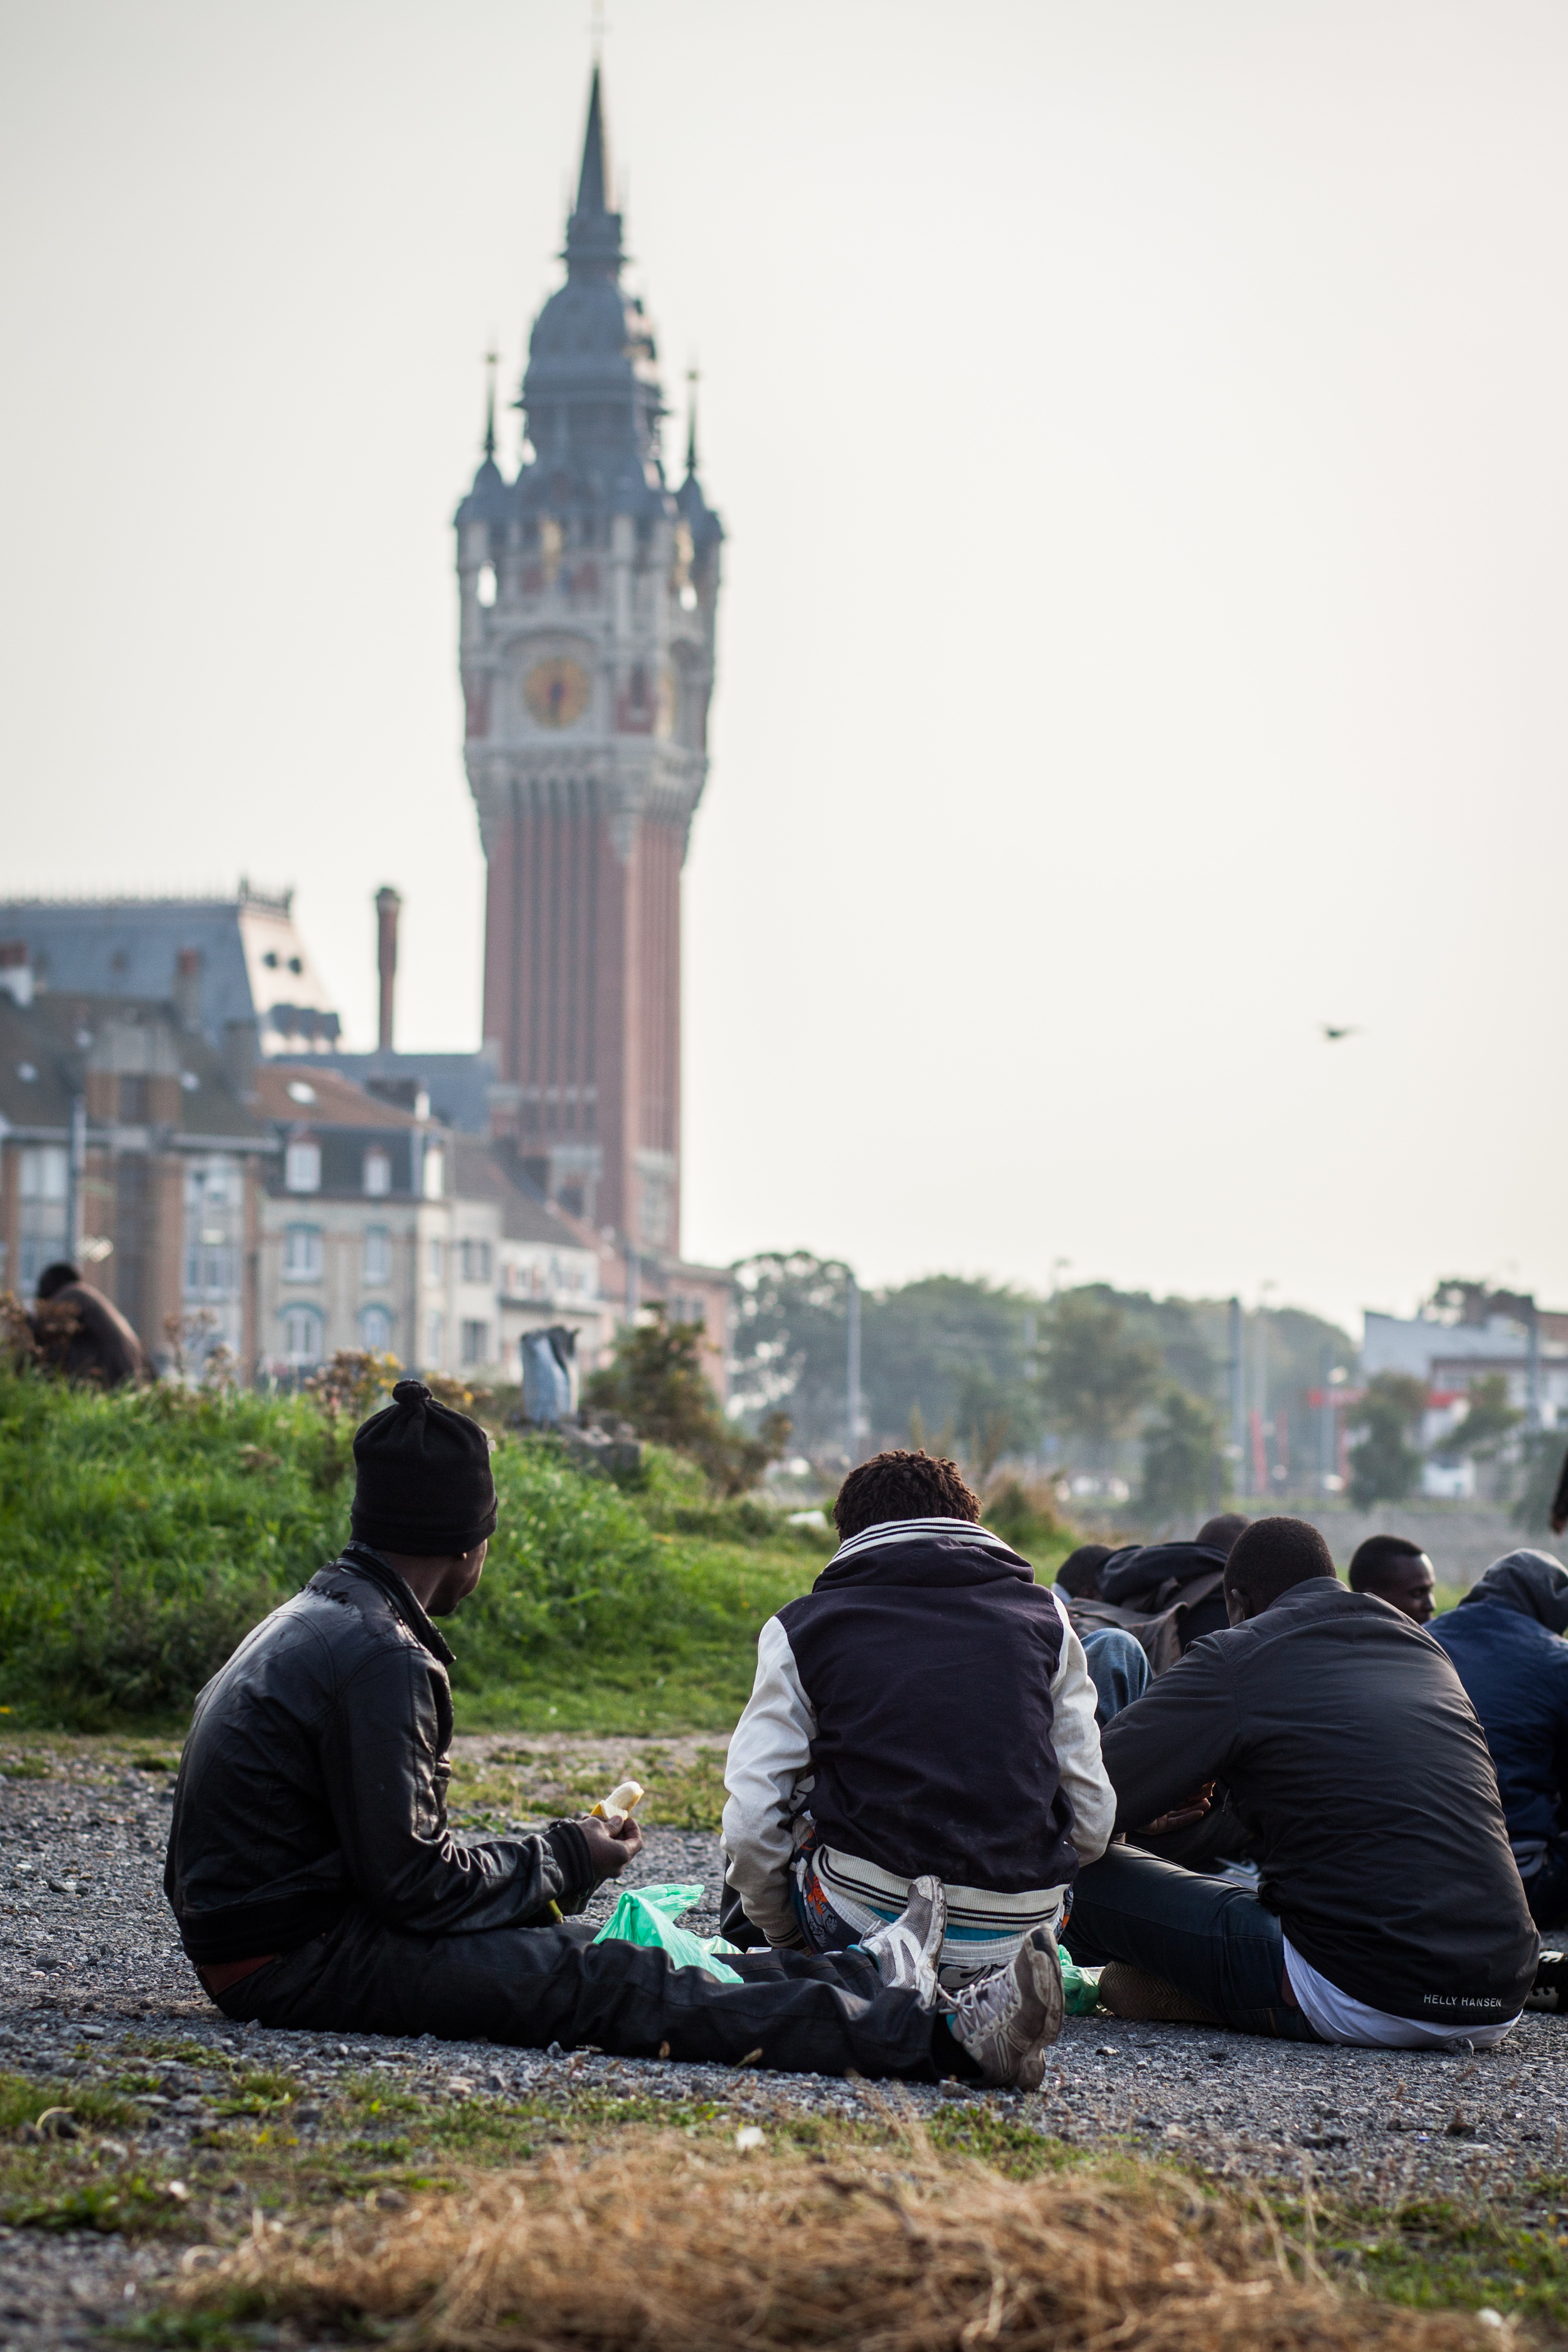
(128, 2203)
(28, 1767)
(23, 2101)
(1438, 2255)
(206, 2331)
(1008, 2147)
(373, 2098)
(149, 1759)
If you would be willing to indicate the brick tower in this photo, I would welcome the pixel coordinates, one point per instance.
(589, 595)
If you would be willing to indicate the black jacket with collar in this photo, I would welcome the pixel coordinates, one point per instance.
(1353, 1756)
(315, 1777)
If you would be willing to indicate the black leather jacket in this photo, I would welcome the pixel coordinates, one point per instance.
(315, 1778)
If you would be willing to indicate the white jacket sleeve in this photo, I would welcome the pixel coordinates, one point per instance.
(1075, 1735)
(766, 1775)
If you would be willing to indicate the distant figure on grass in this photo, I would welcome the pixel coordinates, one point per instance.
(1398, 1571)
(82, 1334)
(1389, 1911)
(926, 1707)
(1505, 1640)
(318, 1883)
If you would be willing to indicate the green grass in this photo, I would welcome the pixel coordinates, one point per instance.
(143, 1534)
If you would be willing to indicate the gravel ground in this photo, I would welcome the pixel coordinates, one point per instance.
(90, 1961)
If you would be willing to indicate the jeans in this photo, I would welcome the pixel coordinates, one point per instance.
(1118, 1669)
(1211, 1939)
(532, 1986)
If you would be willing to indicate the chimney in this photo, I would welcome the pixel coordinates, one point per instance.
(188, 988)
(387, 904)
(15, 971)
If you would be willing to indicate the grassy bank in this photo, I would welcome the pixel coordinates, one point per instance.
(143, 1534)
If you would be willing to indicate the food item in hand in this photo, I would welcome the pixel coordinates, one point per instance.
(621, 1801)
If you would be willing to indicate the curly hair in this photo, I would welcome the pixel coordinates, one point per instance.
(902, 1486)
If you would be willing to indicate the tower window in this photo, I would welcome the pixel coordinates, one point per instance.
(487, 583)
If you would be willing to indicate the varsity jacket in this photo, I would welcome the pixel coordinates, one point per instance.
(315, 1778)
(925, 1708)
(1354, 1760)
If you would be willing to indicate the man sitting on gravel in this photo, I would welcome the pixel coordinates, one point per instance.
(318, 1884)
(926, 1707)
(1505, 1639)
(1389, 1911)
(1398, 1571)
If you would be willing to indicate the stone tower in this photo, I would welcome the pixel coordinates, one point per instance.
(589, 595)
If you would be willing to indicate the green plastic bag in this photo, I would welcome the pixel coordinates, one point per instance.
(648, 1915)
(1080, 1987)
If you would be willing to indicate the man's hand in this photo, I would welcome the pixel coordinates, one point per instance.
(1192, 1809)
(612, 1841)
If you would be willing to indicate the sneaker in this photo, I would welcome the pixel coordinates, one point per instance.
(905, 1950)
(1137, 1994)
(1007, 2020)
(1549, 1989)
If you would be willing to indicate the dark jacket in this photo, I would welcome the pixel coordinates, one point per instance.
(83, 1335)
(1153, 1577)
(1353, 1755)
(928, 1705)
(1505, 1640)
(315, 1777)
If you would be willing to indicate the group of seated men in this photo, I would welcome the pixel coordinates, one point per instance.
(1284, 1818)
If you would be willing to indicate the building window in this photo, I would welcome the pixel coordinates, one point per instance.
(476, 1343)
(302, 1338)
(303, 1253)
(42, 1183)
(302, 1166)
(375, 1330)
(132, 1094)
(434, 1171)
(475, 1259)
(435, 1258)
(434, 1342)
(377, 1172)
(377, 1253)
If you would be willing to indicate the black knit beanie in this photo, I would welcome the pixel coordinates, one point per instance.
(422, 1481)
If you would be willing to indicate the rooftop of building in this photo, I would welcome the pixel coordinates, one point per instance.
(49, 1047)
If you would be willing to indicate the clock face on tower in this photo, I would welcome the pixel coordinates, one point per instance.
(556, 691)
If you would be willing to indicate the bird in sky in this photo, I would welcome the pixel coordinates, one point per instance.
(1333, 1036)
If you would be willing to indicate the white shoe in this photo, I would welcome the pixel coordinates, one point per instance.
(905, 1949)
(1007, 2020)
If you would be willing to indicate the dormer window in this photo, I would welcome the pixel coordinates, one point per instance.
(302, 1166)
(377, 1172)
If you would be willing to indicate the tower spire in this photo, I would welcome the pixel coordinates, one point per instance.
(493, 361)
(591, 190)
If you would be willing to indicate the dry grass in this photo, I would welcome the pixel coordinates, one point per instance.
(668, 2244)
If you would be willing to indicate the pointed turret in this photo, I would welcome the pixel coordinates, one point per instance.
(700, 520)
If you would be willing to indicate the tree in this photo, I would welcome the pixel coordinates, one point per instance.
(1490, 1420)
(959, 1351)
(993, 1419)
(656, 1379)
(789, 1342)
(1387, 1463)
(1181, 1447)
(1094, 1380)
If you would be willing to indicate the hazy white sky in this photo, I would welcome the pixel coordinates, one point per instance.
(1140, 430)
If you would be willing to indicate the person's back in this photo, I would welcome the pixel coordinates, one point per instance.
(1505, 1642)
(82, 1334)
(926, 1704)
(1353, 1756)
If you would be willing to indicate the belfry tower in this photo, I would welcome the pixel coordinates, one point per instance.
(589, 596)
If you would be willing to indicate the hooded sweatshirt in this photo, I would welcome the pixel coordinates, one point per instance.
(1505, 1642)
(928, 1706)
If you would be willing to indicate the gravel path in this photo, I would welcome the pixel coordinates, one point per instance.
(90, 1961)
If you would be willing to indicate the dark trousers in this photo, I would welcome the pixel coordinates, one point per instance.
(1212, 1940)
(1546, 1889)
(808, 2014)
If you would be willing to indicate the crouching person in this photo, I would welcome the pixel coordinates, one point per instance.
(317, 1883)
(924, 1710)
(1388, 1912)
